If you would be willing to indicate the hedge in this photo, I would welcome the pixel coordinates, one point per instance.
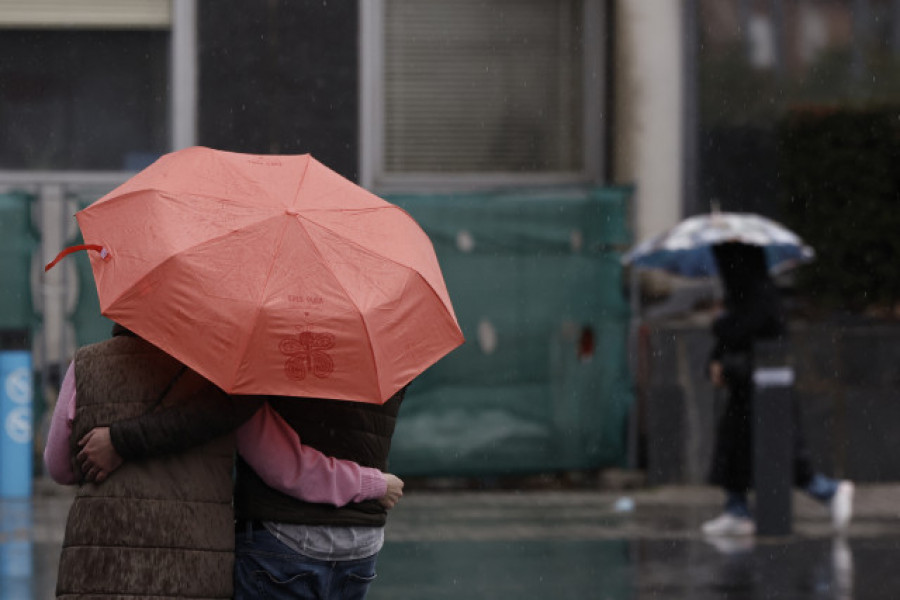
(839, 178)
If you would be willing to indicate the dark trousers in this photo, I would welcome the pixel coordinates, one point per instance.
(732, 464)
(266, 568)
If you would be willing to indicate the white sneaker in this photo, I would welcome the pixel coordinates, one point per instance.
(841, 505)
(728, 524)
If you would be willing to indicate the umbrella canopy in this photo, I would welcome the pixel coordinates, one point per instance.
(686, 248)
(271, 275)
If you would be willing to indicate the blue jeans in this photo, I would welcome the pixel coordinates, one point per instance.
(266, 568)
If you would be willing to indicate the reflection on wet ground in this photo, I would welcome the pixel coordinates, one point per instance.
(622, 569)
(28, 555)
(527, 569)
(561, 545)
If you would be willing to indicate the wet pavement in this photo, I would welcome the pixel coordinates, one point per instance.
(561, 544)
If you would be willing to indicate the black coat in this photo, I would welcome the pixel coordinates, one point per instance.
(752, 306)
(752, 312)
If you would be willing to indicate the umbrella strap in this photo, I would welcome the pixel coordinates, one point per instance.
(167, 389)
(104, 253)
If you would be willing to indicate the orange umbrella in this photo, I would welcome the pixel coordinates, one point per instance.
(271, 275)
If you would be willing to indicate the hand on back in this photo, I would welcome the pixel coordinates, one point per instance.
(98, 457)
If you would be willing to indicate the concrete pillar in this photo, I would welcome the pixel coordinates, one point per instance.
(648, 138)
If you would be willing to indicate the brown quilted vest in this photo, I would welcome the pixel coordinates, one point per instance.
(348, 430)
(161, 527)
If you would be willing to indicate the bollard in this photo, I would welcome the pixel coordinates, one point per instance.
(15, 424)
(773, 438)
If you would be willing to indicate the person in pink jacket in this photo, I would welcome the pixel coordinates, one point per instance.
(265, 441)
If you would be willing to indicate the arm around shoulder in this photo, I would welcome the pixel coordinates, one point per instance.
(274, 450)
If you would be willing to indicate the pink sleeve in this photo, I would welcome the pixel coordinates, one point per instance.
(273, 449)
(57, 453)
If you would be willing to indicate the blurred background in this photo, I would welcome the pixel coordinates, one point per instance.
(535, 141)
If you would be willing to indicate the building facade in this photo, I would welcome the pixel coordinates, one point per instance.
(489, 122)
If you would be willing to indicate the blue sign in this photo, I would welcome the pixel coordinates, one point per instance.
(15, 424)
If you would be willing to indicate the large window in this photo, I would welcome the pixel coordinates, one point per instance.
(760, 59)
(283, 79)
(83, 86)
(470, 93)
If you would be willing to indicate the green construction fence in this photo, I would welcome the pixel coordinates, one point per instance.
(17, 316)
(90, 325)
(542, 383)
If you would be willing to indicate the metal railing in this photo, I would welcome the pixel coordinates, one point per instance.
(55, 197)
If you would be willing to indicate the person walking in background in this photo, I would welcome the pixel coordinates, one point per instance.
(164, 527)
(753, 312)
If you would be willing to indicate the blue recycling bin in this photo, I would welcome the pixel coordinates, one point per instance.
(15, 424)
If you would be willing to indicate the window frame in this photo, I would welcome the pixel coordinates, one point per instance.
(373, 174)
(180, 21)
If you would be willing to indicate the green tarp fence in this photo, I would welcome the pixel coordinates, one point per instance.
(533, 277)
(19, 244)
(90, 325)
(542, 382)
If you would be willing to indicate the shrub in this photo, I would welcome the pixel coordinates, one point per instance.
(840, 181)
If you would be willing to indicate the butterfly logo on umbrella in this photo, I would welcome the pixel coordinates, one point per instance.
(306, 354)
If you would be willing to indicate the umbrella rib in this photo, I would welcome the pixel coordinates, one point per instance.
(156, 190)
(262, 294)
(301, 181)
(325, 194)
(407, 268)
(325, 264)
(192, 246)
(369, 251)
(365, 249)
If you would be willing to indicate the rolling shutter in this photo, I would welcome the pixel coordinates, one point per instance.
(483, 87)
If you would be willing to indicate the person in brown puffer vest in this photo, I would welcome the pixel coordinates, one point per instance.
(340, 545)
(161, 527)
